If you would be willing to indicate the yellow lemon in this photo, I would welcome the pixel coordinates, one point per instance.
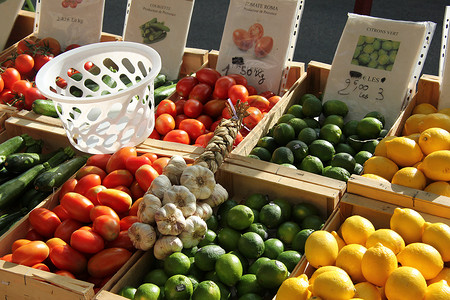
(356, 230)
(408, 223)
(410, 177)
(439, 187)
(294, 288)
(339, 240)
(438, 236)
(381, 166)
(376, 177)
(414, 136)
(378, 263)
(434, 120)
(321, 249)
(434, 139)
(349, 259)
(367, 291)
(334, 286)
(403, 151)
(437, 291)
(405, 283)
(443, 275)
(445, 111)
(412, 124)
(388, 238)
(380, 149)
(423, 257)
(436, 165)
(323, 270)
(424, 108)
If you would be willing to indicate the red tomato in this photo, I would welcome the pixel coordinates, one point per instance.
(166, 106)
(256, 31)
(136, 190)
(193, 108)
(208, 76)
(21, 86)
(66, 228)
(33, 235)
(87, 241)
(127, 221)
(214, 125)
(122, 241)
(107, 227)
(31, 95)
(251, 90)
(41, 59)
(135, 207)
(180, 118)
(54, 242)
(85, 170)
(267, 94)
(8, 97)
(9, 76)
(41, 266)
(204, 139)
(193, 127)
(145, 175)
(119, 201)
(274, 100)
(88, 65)
(78, 206)
(31, 253)
(154, 135)
(179, 104)
(185, 85)
(134, 162)
(213, 108)
(123, 189)
(61, 212)
(24, 63)
(177, 136)
(26, 45)
(226, 113)
(150, 155)
(164, 123)
(18, 243)
(238, 139)
(259, 102)
(2, 84)
(98, 160)
(68, 186)
(91, 193)
(107, 262)
(253, 118)
(44, 221)
(7, 257)
(239, 79)
(71, 46)
(101, 210)
(238, 92)
(66, 258)
(50, 44)
(118, 159)
(118, 177)
(61, 82)
(160, 164)
(222, 86)
(201, 92)
(206, 120)
(65, 273)
(86, 182)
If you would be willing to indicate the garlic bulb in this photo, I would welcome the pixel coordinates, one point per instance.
(167, 245)
(194, 231)
(174, 168)
(147, 208)
(203, 210)
(170, 220)
(183, 199)
(199, 180)
(159, 186)
(143, 236)
(218, 196)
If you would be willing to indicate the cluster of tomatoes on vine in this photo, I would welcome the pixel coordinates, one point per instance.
(70, 3)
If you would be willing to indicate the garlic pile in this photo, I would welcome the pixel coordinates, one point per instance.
(173, 211)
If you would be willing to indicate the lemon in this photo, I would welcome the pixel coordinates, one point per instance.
(423, 257)
(443, 275)
(376, 177)
(323, 270)
(378, 263)
(439, 187)
(437, 291)
(388, 238)
(436, 166)
(380, 149)
(405, 283)
(321, 249)
(356, 230)
(424, 108)
(410, 177)
(367, 291)
(339, 240)
(381, 166)
(408, 223)
(295, 288)
(445, 111)
(412, 124)
(349, 259)
(438, 120)
(434, 139)
(403, 151)
(333, 285)
(438, 236)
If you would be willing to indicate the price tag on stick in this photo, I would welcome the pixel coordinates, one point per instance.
(377, 64)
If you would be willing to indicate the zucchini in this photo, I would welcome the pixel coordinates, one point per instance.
(13, 145)
(44, 107)
(36, 147)
(31, 198)
(7, 220)
(5, 175)
(164, 92)
(56, 176)
(20, 162)
(61, 156)
(159, 80)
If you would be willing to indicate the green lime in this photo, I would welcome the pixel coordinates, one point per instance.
(223, 209)
(286, 208)
(206, 257)
(147, 291)
(251, 245)
(307, 135)
(285, 118)
(289, 166)
(248, 284)
(334, 119)
(358, 169)
(272, 248)
(270, 215)
(298, 244)
(212, 223)
(298, 124)
(212, 275)
(312, 107)
(355, 142)
(326, 169)
(369, 128)
(178, 287)
(229, 269)
(260, 229)
(377, 115)
(338, 173)
(362, 156)
(209, 239)
(206, 290)
(335, 107)
(296, 110)
(283, 133)
(253, 156)
(243, 260)
(240, 217)
(343, 160)
(287, 231)
(193, 280)
(370, 146)
(383, 133)
(127, 292)
(302, 210)
(255, 215)
(267, 142)
(345, 148)
(312, 222)
(228, 238)
(250, 296)
(257, 264)
(306, 96)
(331, 133)
(290, 259)
(350, 127)
(312, 123)
(282, 155)
(311, 164)
(156, 276)
(262, 153)
(322, 149)
(271, 274)
(256, 201)
(299, 149)
(177, 263)
(225, 292)
(364, 59)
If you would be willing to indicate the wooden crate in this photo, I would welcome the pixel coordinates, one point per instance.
(22, 27)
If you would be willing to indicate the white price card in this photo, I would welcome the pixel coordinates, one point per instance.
(377, 64)
(444, 63)
(8, 13)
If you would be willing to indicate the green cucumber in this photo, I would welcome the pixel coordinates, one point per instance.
(164, 92)
(44, 107)
(159, 80)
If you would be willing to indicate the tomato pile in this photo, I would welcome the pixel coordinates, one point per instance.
(86, 235)
(201, 105)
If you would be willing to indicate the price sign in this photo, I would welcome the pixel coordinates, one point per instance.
(356, 87)
(254, 73)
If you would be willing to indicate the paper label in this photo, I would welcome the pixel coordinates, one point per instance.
(257, 40)
(444, 63)
(377, 65)
(8, 13)
(164, 26)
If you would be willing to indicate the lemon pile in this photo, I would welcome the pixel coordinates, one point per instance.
(419, 159)
(405, 261)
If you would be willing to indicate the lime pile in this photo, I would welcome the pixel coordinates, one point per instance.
(255, 246)
(375, 53)
(313, 136)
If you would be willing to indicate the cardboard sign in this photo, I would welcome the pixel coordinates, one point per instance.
(377, 64)
(444, 63)
(258, 40)
(8, 13)
(164, 26)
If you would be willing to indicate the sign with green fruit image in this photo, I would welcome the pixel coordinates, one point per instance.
(377, 64)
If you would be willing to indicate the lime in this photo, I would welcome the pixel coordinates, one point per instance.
(229, 269)
(311, 164)
(312, 123)
(335, 107)
(290, 259)
(206, 290)
(242, 259)
(334, 119)
(251, 245)
(178, 287)
(248, 284)
(377, 115)
(343, 160)
(250, 296)
(299, 149)
(344, 148)
(282, 155)
(256, 201)
(270, 215)
(369, 128)
(307, 135)
(302, 210)
(212, 275)
(285, 118)
(212, 223)
(127, 292)
(364, 59)
(312, 107)
(223, 209)
(306, 96)
(255, 215)
(267, 142)
(271, 274)
(355, 142)
(362, 156)
(287, 231)
(260, 229)
(206, 257)
(298, 124)
(148, 291)
(370, 146)
(177, 263)
(228, 238)
(338, 173)
(225, 292)
(312, 222)
(240, 217)
(298, 243)
(331, 133)
(283, 133)
(253, 156)
(358, 169)
(257, 264)
(156, 276)
(272, 248)
(383, 133)
(296, 110)
(193, 280)
(286, 209)
(261, 153)
(350, 127)
(322, 149)
(208, 239)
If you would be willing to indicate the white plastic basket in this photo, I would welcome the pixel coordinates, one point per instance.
(110, 106)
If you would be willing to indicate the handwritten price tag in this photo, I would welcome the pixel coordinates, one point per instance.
(362, 87)
(255, 73)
